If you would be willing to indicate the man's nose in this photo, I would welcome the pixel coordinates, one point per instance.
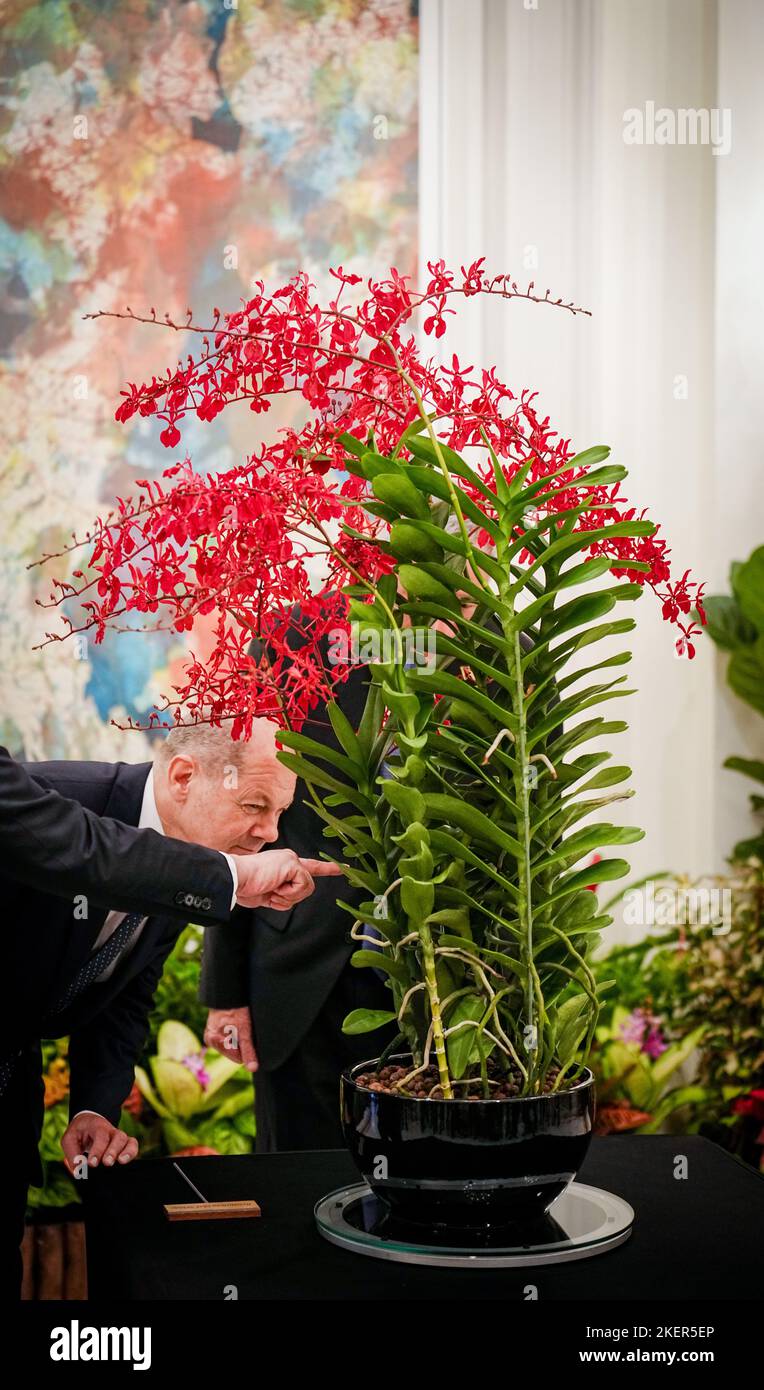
(269, 831)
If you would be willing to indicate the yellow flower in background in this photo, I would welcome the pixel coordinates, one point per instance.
(56, 1080)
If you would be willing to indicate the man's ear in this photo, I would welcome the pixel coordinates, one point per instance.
(180, 771)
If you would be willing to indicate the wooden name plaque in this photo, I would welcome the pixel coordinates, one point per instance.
(211, 1211)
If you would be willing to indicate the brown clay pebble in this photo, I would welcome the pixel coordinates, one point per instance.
(505, 1082)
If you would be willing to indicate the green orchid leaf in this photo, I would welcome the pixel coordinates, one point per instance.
(453, 811)
(381, 960)
(345, 734)
(366, 1020)
(413, 543)
(407, 801)
(417, 899)
(302, 743)
(461, 1041)
(397, 491)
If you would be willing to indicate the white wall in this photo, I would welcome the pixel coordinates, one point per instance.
(522, 155)
(736, 504)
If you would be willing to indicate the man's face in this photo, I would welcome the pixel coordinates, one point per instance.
(237, 809)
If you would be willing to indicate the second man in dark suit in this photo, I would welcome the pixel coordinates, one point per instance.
(284, 983)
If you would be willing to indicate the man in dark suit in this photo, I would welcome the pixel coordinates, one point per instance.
(284, 983)
(82, 970)
(55, 845)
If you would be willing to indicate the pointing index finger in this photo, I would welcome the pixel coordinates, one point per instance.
(321, 868)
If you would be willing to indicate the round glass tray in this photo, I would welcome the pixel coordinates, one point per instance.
(582, 1222)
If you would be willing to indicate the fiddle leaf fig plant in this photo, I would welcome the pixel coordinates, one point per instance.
(463, 802)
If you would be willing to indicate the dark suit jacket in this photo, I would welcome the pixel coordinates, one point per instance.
(45, 944)
(285, 964)
(58, 846)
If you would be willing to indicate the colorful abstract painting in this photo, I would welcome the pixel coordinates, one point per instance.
(162, 155)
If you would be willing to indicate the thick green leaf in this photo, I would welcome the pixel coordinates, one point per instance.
(417, 899)
(407, 801)
(367, 614)
(748, 584)
(603, 872)
(462, 1045)
(572, 1023)
(586, 841)
(344, 732)
(585, 572)
(424, 448)
(401, 702)
(443, 843)
(454, 919)
(374, 465)
(458, 583)
(352, 445)
(410, 542)
(751, 767)
(421, 585)
(366, 1020)
(301, 743)
(380, 960)
(726, 624)
(745, 673)
(453, 810)
(434, 483)
(587, 459)
(442, 683)
(607, 777)
(397, 491)
(587, 638)
(317, 777)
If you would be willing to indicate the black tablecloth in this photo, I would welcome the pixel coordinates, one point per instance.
(695, 1237)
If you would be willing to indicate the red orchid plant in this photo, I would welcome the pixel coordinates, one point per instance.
(440, 504)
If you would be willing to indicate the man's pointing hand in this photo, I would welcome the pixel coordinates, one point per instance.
(278, 878)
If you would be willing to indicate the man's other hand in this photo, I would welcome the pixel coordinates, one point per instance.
(278, 878)
(92, 1135)
(229, 1031)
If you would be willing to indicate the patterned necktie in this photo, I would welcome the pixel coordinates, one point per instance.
(87, 973)
(7, 1068)
(100, 960)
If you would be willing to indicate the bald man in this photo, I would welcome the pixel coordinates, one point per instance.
(75, 967)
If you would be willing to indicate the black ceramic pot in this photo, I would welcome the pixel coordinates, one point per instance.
(466, 1163)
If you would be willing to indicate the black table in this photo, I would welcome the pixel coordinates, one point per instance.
(698, 1237)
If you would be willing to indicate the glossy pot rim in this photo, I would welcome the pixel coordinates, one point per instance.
(348, 1077)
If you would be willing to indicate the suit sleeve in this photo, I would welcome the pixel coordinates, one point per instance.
(224, 980)
(57, 846)
(103, 1053)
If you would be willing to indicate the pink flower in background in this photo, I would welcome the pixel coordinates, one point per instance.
(195, 1063)
(644, 1028)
